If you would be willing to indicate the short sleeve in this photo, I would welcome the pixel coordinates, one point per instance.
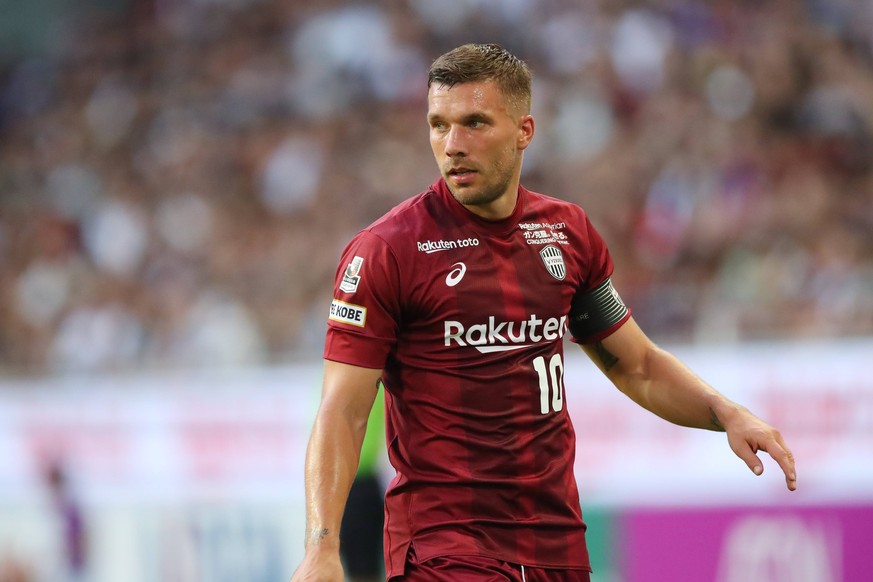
(364, 314)
(599, 261)
(596, 304)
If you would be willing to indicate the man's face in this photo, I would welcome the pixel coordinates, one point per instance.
(477, 139)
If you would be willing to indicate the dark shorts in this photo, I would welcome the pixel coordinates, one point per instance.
(482, 569)
(361, 530)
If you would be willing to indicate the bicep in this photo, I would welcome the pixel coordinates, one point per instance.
(348, 391)
(623, 354)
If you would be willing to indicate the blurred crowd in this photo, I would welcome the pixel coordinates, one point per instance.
(178, 177)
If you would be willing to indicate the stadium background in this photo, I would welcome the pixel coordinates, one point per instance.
(177, 178)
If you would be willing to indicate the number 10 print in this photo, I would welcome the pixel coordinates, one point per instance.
(555, 373)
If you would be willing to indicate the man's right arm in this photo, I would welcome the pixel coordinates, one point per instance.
(332, 459)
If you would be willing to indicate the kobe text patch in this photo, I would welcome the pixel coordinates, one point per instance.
(348, 313)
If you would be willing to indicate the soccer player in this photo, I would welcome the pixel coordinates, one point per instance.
(459, 300)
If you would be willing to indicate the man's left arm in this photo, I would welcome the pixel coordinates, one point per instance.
(659, 382)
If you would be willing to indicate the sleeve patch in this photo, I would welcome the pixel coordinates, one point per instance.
(348, 313)
(352, 275)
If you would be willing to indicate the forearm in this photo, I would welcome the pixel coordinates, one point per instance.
(662, 384)
(668, 388)
(331, 463)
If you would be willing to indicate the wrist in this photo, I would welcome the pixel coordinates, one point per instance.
(723, 413)
(322, 539)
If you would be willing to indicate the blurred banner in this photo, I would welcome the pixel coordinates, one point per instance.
(198, 475)
(820, 395)
(808, 544)
(161, 436)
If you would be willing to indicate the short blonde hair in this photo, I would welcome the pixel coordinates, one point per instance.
(485, 62)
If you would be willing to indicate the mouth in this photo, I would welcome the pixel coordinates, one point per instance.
(461, 173)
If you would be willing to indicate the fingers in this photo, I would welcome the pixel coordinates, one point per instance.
(783, 456)
(750, 458)
(775, 446)
(778, 450)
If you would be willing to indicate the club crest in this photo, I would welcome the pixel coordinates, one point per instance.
(554, 262)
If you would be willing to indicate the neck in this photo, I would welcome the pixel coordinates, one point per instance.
(498, 209)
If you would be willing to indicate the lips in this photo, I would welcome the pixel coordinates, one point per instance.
(462, 177)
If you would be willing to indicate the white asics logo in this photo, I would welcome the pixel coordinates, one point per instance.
(455, 275)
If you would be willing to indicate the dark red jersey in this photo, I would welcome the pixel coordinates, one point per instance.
(466, 317)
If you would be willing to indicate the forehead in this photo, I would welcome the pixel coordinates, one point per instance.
(465, 98)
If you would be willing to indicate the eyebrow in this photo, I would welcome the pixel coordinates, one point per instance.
(475, 116)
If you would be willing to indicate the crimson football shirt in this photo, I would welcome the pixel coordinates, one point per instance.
(466, 317)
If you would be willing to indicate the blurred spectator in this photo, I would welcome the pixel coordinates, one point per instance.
(361, 531)
(176, 178)
(72, 525)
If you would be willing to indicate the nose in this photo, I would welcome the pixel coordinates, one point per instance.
(456, 142)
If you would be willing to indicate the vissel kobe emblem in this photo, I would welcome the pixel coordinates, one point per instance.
(554, 261)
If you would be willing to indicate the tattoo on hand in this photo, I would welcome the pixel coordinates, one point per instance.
(315, 536)
(606, 357)
(716, 423)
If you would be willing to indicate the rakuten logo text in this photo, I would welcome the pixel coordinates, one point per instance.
(503, 336)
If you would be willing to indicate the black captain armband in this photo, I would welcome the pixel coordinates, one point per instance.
(595, 311)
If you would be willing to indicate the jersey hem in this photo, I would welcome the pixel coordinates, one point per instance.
(494, 556)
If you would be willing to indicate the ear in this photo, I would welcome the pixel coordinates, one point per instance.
(525, 131)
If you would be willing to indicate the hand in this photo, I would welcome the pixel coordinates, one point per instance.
(747, 434)
(320, 566)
